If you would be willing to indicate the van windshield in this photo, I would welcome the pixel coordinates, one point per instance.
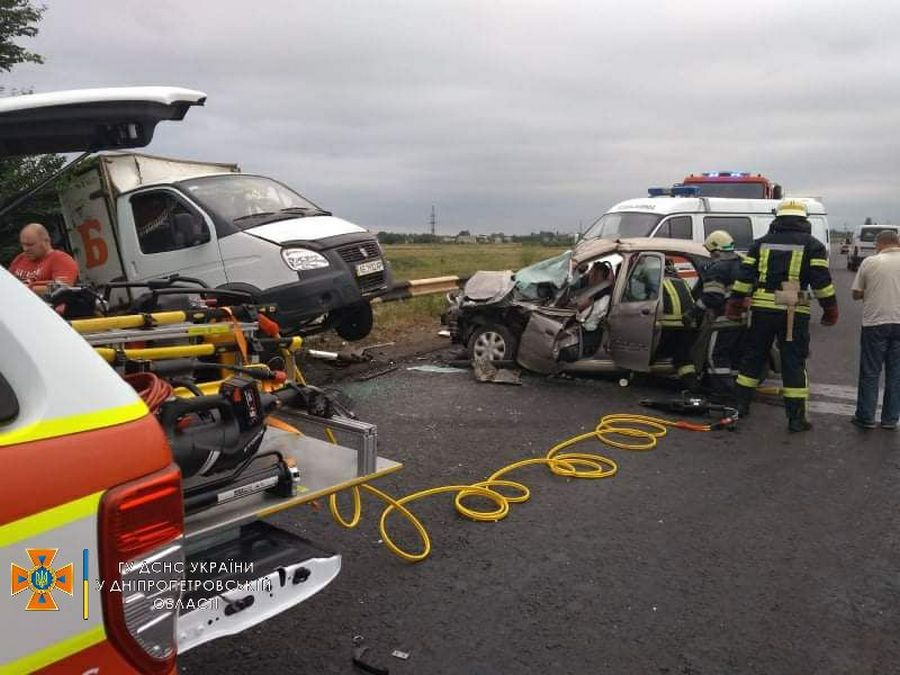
(623, 224)
(869, 233)
(247, 201)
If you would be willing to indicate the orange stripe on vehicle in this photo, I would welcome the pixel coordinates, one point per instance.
(55, 471)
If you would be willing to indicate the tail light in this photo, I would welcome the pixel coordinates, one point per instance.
(142, 566)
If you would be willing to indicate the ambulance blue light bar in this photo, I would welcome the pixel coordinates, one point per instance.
(725, 174)
(674, 191)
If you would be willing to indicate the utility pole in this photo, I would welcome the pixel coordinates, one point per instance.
(432, 220)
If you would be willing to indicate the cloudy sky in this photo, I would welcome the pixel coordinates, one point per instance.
(507, 115)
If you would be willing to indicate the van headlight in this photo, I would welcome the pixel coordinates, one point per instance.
(302, 259)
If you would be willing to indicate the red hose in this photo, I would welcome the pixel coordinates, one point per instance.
(153, 389)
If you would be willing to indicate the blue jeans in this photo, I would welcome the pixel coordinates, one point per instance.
(879, 346)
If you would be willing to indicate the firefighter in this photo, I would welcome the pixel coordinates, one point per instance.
(775, 274)
(723, 348)
(678, 334)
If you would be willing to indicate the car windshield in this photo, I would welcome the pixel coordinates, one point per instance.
(733, 190)
(554, 272)
(623, 224)
(248, 201)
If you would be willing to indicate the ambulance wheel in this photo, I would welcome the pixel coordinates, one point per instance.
(492, 342)
(355, 322)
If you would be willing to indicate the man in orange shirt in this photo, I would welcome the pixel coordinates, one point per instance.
(40, 264)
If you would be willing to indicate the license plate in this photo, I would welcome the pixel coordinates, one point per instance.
(368, 267)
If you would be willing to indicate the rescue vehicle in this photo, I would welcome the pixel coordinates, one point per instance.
(738, 184)
(132, 536)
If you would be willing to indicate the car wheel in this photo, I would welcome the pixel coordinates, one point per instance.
(492, 342)
(355, 322)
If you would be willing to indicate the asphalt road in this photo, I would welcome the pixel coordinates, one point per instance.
(747, 552)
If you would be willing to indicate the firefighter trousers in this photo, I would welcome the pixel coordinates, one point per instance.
(723, 360)
(766, 326)
(677, 343)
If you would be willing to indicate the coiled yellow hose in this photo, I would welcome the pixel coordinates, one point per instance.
(644, 430)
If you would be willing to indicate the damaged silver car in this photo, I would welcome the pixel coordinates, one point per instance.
(594, 309)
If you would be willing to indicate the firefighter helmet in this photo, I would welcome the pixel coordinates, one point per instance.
(791, 207)
(719, 240)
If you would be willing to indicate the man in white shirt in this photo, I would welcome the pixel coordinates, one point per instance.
(877, 284)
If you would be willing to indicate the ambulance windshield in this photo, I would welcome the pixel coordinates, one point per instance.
(621, 225)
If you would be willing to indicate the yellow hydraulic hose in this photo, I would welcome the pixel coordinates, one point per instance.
(645, 430)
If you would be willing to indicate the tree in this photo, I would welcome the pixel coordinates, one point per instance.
(18, 19)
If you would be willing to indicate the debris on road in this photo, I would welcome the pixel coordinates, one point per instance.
(436, 369)
(485, 371)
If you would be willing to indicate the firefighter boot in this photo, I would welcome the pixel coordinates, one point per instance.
(742, 398)
(690, 382)
(796, 414)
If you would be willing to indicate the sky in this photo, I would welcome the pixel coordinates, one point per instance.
(513, 116)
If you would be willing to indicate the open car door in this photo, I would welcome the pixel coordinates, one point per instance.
(89, 120)
(633, 333)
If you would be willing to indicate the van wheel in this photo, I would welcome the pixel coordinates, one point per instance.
(492, 342)
(355, 322)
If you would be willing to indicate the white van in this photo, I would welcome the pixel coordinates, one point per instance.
(131, 217)
(690, 217)
(863, 243)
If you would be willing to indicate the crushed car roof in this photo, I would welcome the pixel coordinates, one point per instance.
(591, 248)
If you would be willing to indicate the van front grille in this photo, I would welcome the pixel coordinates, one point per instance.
(357, 253)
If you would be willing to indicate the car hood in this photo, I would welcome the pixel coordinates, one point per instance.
(486, 287)
(88, 120)
(304, 229)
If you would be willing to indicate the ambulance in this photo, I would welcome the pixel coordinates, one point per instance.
(679, 213)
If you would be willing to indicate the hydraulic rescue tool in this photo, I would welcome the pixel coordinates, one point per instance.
(221, 434)
(690, 404)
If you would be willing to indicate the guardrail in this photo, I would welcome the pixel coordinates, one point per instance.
(403, 290)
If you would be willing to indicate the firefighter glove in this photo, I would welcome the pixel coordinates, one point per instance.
(734, 309)
(830, 315)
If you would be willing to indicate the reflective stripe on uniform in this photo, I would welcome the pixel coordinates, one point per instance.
(73, 424)
(763, 265)
(686, 370)
(818, 262)
(672, 294)
(826, 292)
(763, 299)
(714, 287)
(795, 392)
(741, 287)
(745, 381)
(747, 260)
(795, 265)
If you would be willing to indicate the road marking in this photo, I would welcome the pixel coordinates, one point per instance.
(841, 392)
(844, 392)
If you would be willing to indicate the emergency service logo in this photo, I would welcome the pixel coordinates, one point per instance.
(41, 579)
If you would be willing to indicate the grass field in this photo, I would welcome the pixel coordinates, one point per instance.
(420, 261)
